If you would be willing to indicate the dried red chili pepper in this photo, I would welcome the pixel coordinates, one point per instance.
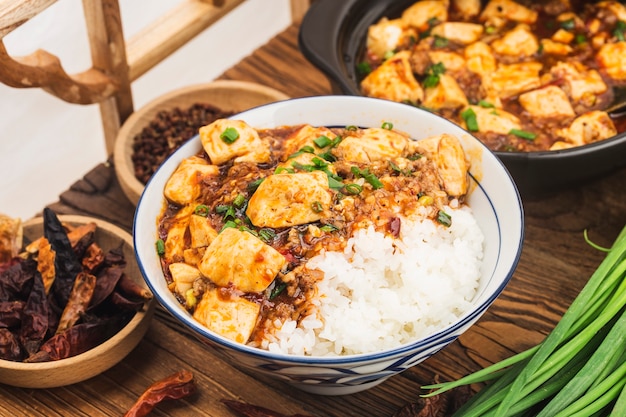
(106, 282)
(35, 322)
(15, 281)
(9, 346)
(80, 297)
(249, 410)
(78, 339)
(129, 287)
(11, 313)
(66, 264)
(174, 387)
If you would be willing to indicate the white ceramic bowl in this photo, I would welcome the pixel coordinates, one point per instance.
(494, 200)
(102, 357)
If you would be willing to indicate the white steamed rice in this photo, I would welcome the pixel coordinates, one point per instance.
(381, 292)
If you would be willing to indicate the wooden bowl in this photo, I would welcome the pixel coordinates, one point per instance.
(102, 357)
(224, 94)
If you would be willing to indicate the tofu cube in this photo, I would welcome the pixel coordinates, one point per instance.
(386, 35)
(547, 102)
(513, 79)
(452, 61)
(421, 13)
(231, 317)
(371, 144)
(247, 146)
(589, 127)
(519, 42)
(240, 259)
(183, 187)
(580, 83)
(447, 94)
(467, 9)
(183, 276)
(480, 59)
(495, 120)
(304, 136)
(394, 80)
(285, 199)
(201, 231)
(497, 12)
(459, 32)
(612, 59)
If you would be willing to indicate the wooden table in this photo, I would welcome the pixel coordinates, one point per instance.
(554, 266)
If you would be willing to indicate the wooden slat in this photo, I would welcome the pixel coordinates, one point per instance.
(171, 31)
(14, 13)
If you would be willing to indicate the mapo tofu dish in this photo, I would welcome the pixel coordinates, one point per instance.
(520, 75)
(245, 214)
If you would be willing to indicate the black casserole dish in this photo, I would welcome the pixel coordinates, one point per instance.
(333, 37)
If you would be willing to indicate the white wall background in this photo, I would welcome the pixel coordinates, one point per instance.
(47, 144)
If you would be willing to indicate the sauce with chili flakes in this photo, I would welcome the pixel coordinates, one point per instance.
(328, 183)
(478, 68)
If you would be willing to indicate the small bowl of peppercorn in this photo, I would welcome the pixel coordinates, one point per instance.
(156, 130)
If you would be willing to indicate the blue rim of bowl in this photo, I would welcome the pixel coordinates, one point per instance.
(432, 340)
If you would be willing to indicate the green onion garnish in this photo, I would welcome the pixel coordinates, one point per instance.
(160, 247)
(353, 189)
(568, 24)
(387, 125)
(364, 68)
(433, 73)
(470, 119)
(252, 186)
(486, 105)
(524, 134)
(317, 207)
(368, 176)
(229, 135)
(202, 210)
(322, 141)
(440, 42)
(239, 201)
(444, 218)
(267, 235)
(278, 288)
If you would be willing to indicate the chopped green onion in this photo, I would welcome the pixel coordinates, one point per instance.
(364, 68)
(229, 135)
(433, 73)
(278, 288)
(160, 247)
(252, 186)
(267, 235)
(486, 105)
(229, 224)
(328, 156)
(368, 176)
(317, 207)
(353, 189)
(351, 128)
(440, 42)
(568, 24)
(388, 55)
(470, 119)
(239, 201)
(620, 28)
(444, 218)
(226, 211)
(322, 141)
(387, 125)
(334, 184)
(580, 39)
(278, 170)
(202, 210)
(304, 149)
(524, 134)
(329, 228)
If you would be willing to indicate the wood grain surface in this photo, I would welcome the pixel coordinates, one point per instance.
(555, 264)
